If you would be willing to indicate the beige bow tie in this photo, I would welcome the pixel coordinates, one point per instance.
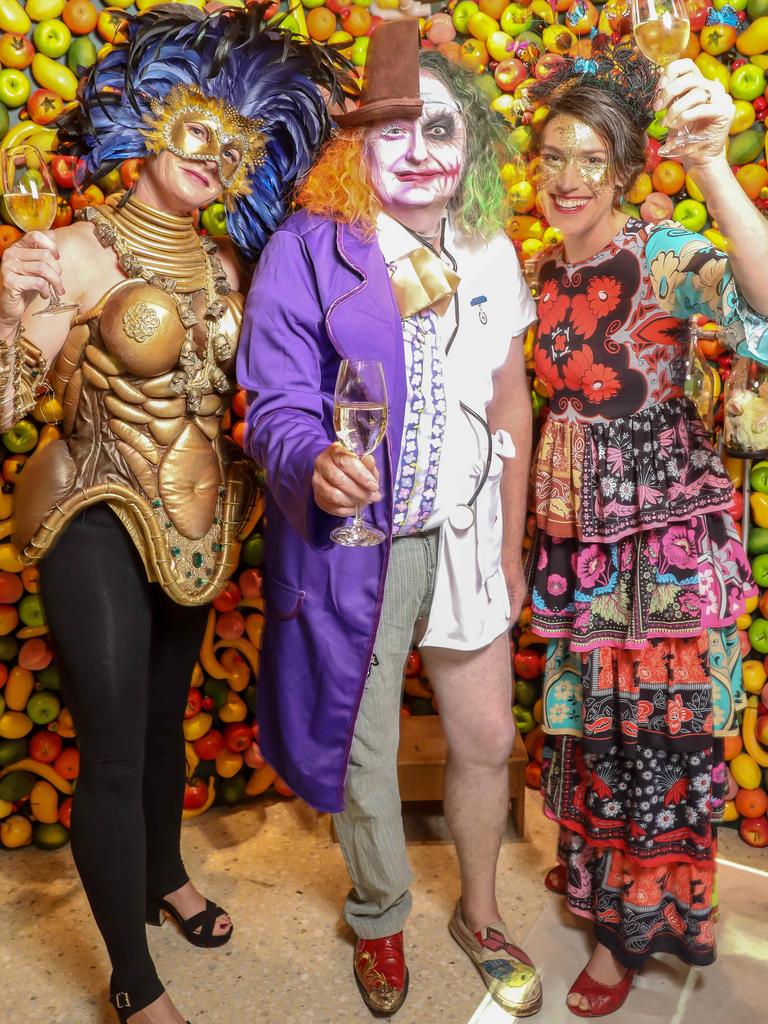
(420, 280)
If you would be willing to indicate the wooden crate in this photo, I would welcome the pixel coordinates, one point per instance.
(421, 765)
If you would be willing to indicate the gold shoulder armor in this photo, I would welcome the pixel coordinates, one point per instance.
(22, 366)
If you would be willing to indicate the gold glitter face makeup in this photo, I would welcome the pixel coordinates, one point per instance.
(571, 141)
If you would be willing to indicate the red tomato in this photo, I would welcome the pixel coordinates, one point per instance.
(250, 583)
(130, 171)
(194, 703)
(208, 746)
(413, 664)
(195, 794)
(228, 599)
(528, 664)
(237, 737)
(230, 626)
(45, 746)
(65, 812)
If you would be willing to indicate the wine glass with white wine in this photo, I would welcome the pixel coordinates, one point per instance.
(662, 31)
(360, 422)
(30, 196)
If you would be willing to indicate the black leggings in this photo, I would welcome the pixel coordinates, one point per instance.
(126, 652)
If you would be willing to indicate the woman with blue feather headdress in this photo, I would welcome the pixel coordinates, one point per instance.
(138, 511)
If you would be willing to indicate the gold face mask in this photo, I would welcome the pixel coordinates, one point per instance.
(573, 141)
(194, 126)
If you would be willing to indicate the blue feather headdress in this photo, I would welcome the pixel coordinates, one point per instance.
(266, 73)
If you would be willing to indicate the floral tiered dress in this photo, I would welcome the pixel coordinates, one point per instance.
(637, 576)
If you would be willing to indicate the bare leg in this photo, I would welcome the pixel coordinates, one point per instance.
(474, 689)
(162, 1011)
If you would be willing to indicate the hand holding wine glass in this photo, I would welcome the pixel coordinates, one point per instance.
(689, 97)
(360, 422)
(662, 31)
(30, 197)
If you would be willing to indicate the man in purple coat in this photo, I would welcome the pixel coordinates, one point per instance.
(397, 256)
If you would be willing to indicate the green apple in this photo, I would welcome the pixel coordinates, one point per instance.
(747, 82)
(523, 718)
(657, 129)
(43, 707)
(50, 836)
(462, 12)
(4, 120)
(309, 4)
(40, 10)
(110, 182)
(214, 219)
(31, 611)
(360, 51)
(737, 5)
(52, 37)
(253, 550)
(15, 88)
(758, 631)
(691, 214)
(22, 437)
(81, 54)
(757, 9)
(515, 19)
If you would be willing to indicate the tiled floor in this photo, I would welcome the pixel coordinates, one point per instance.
(277, 871)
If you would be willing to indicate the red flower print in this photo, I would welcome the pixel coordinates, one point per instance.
(677, 714)
(600, 383)
(552, 307)
(601, 298)
(546, 371)
(677, 545)
(576, 367)
(644, 711)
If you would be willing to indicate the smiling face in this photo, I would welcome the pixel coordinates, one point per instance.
(415, 164)
(574, 177)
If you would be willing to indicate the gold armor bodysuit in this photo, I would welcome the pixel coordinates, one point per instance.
(143, 381)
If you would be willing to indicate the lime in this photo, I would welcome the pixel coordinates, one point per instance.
(8, 648)
(253, 550)
(217, 690)
(12, 751)
(50, 837)
(43, 707)
(16, 786)
(232, 790)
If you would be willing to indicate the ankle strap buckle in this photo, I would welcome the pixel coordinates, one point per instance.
(122, 1001)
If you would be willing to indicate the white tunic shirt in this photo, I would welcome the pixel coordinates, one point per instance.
(470, 606)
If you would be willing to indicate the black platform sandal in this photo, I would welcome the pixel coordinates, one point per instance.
(205, 920)
(126, 1004)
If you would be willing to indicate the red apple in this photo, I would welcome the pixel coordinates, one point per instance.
(754, 831)
(510, 73)
(546, 64)
(698, 12)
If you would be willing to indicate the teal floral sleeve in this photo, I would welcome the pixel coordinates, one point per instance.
(690, 276)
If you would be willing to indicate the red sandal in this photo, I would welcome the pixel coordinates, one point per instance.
(556, 879)
(602, 999)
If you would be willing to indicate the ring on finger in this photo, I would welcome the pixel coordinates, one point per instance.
(707, 93)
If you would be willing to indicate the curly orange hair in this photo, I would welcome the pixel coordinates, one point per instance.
(338, 186)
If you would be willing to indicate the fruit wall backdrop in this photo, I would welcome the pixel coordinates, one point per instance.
(42, 46)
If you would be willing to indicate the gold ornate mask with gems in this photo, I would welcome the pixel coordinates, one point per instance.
(234, 143)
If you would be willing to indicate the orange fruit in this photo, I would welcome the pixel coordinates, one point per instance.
(357, 22)
(733, 745)
(321, 23)
(8, 235)
(753, 179)
(669, 177)
(751, 803)
(91, 196)
(67, 764)
(80, 17)
(9, 619)
(30, 577)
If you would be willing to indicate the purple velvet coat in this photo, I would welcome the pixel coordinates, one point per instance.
(320, 294)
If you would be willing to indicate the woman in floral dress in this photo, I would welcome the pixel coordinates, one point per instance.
(637, 574)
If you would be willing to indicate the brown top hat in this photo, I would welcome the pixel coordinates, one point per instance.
(391, 78)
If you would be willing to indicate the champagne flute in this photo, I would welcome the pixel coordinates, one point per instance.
(662, 31)
(360, 422)
(30, 199)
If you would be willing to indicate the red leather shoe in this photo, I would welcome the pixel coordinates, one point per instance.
(556, 879)
(602, 999)
(381, 974)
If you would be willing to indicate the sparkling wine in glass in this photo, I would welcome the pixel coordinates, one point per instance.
(360, 422)
(30, 196)
(662, 31)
